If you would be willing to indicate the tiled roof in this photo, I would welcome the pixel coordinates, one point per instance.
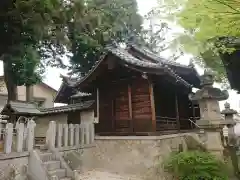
(157, 58)
(130, 59)
(21, 107)
(68, 108)
(124, 55)
(158, 63)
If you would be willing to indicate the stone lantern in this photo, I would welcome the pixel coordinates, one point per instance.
(211, 121)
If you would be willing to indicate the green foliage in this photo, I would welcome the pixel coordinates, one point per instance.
(205, 21)
(207, 24)
(194, 165)
(32, 30)
(97, 24)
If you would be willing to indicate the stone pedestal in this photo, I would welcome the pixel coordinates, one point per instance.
(214, 142)
(211, 121)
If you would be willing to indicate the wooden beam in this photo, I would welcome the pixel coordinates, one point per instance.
(177, 112)
(153, 110)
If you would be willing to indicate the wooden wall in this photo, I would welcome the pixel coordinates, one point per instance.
(125, 106)
(121, 108)
(141, 105)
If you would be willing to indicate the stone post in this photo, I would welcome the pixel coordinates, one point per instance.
(77, 134)
(51, 134)
(20, 139)
(211, 121)
(30, 135)
(65, 126)
(8, 138)
(59, 135)
(82, 134)
(87, 133)
(92, 133)
(71, 128)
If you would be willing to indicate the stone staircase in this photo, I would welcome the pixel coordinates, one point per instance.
(53, 166)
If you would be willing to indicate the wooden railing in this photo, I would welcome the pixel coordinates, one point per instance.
(166, 123)
(145, 125)
(170, 123)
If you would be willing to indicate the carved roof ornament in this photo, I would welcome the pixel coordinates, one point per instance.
(208, 91)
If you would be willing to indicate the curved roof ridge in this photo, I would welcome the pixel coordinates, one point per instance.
(155, 57)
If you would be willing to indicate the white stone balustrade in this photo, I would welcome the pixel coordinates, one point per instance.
(70, 135)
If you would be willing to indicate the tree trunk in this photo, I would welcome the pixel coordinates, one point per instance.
(11, 86)
(29, 93)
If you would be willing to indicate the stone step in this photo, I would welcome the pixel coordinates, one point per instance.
(52, 165)
(47, 157)
(60, 173)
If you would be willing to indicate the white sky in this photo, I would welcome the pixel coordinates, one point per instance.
(53, 79)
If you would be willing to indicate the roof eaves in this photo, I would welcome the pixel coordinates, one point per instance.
(178, 78)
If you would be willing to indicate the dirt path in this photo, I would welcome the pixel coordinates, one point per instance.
(101, 175)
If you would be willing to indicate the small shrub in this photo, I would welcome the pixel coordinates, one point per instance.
(196, 165)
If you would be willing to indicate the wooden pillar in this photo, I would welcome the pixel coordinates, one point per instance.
(177, 112)
(130, 102)
(130, 107)
(153, 110)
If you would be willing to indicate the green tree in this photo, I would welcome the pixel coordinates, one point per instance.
(97, 24)
(31, 30)
(208, 24)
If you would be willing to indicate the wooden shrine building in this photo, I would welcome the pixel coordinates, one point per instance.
(136, 92)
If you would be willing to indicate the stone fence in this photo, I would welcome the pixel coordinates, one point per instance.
(17, 138)
(21, 138)
(69, 135)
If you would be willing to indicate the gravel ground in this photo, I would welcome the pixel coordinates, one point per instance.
(101, 175)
